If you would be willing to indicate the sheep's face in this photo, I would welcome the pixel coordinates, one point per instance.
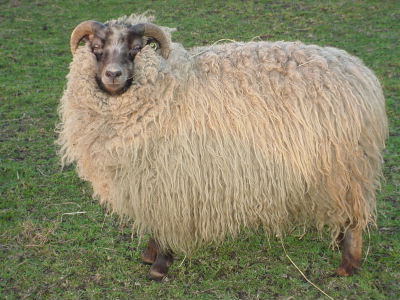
(115, 54)
(115, 47)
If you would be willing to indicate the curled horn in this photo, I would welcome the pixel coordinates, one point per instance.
(85, 28)
(155, 32)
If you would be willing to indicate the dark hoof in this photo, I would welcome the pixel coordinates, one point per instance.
(158, 273)
(345, 271)
(156, 276)
(148, 258)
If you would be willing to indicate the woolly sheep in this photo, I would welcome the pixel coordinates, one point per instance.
(194, 145)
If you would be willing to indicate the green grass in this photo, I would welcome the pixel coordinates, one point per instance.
(47, 253)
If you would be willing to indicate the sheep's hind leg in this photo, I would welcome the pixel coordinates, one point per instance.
(351, 244)
(149, 255)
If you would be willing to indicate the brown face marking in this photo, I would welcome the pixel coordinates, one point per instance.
(115, 53)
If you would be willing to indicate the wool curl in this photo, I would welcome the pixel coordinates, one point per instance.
(271, 135)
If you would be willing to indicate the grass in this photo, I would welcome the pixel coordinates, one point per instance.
(56, 242)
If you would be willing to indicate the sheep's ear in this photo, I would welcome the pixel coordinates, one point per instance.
(86, 31)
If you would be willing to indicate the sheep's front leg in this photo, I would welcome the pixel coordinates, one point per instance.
(351, 244)
(149, 255)
(160, 267)
(159, 260)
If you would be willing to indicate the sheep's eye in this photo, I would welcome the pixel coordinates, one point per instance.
(134, 51)
(153, 45)
(97, 49)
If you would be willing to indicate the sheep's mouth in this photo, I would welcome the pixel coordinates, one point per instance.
(112, 88)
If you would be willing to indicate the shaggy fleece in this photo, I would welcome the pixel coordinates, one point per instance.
(220, 138)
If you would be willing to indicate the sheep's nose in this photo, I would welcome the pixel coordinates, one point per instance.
(113, 74)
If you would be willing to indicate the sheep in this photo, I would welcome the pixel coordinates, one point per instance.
(192, 146)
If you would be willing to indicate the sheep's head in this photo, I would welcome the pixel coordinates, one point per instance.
(115, 47)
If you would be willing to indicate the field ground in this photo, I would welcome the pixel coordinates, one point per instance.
(56, 242)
